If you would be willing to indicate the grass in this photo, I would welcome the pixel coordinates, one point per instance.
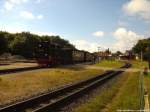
(26, 84)
(110, 63)
(123, 94)
(128, 96)
(137, 64)
(147, 84)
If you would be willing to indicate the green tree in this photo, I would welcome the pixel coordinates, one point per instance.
(25, 43)
(144, 46)
(3, 43)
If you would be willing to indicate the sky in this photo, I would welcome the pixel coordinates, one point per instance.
(87, 24)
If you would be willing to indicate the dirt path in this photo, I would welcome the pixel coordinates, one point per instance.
(109, 68)
(17, 65)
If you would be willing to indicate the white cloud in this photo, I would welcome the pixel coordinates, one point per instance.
(27, 15)
(125, 40)
(139, 8)
(86, 45)
(18, 28)
(98, 34)
(10, 4)
(30, 16)
(38, 1)
(40, 16)
(17, 1)
(12, 28)
(122, 23)
(43, 33)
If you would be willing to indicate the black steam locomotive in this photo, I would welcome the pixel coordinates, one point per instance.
(50, 54)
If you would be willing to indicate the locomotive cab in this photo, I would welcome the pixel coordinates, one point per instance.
(46, 55)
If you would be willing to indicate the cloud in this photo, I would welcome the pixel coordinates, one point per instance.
(30, 16)
(44, 33)
(27, 15)
(139, 8)
(86, 45)
(125, 39)
(10, 4)
(20, 29)
(122, 23)
(98, 34)
(40, 16)
(12, 28)
(38, 1)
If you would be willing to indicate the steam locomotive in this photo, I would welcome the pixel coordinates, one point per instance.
(49, 54)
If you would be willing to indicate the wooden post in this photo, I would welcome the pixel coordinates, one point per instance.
(149, 64)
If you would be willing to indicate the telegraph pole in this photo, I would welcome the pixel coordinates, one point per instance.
(99, 54)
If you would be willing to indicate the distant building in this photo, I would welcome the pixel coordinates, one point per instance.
(128, 55)
(103, 55)
(137, 57)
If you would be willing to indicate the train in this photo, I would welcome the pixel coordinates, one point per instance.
(50, 54)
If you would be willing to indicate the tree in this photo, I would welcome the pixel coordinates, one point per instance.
(57, 40)
(3, 43)
(108, 51)
(25, 43)
(144, 46)
(118, 53)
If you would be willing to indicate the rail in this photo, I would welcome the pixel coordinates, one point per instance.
(61, 96)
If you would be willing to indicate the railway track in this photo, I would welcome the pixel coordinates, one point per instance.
(15, 70)
(52, 101)
(9, 71)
